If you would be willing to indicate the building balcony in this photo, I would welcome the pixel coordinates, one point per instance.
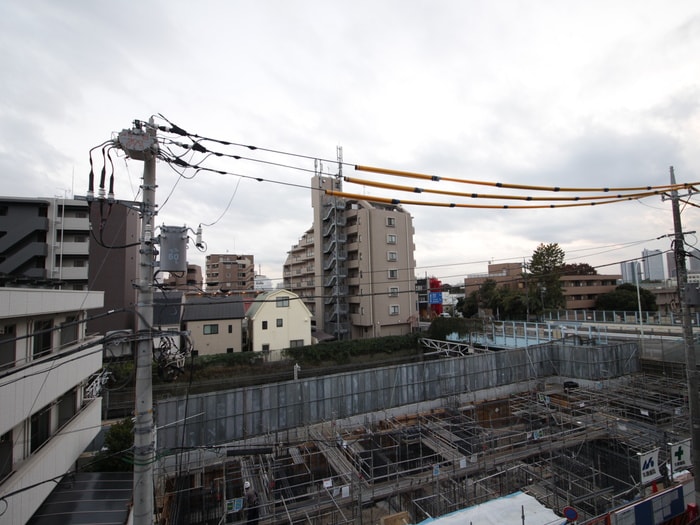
(55, 457)
(70, 273)
(28, 388)
(74, 223)
(330, 262)
(72, 248)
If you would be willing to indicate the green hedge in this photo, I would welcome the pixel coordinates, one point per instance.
(341, 352)
(441, 327)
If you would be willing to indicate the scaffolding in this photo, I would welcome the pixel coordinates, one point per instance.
(562, 443)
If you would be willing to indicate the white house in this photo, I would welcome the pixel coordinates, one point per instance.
(49, 410)
(277, 320)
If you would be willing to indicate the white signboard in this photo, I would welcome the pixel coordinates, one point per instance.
(680, 456)
(649, 466)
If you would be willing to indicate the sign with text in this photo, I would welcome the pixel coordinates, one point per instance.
(680, 456)
(435, 297)
(649, 466)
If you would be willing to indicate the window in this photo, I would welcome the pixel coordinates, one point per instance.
(211, 329)
(391, 256)
(229, 350)
(282, 302)
(391, 222)
(391, 238)
(265, 348)
(394, 291)
(295, 343)
(393, 309)
(6, 460)
(42, 337)
(280, 323)
(39, 428)
(230, 329)
(67, 407)
(393, 274)
(264, 325)
(69, 330)
(7, 346)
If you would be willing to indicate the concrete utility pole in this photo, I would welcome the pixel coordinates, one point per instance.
(690, 360)
(141, 144)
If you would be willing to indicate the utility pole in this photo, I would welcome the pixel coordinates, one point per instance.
(141, 144)
(690, 360)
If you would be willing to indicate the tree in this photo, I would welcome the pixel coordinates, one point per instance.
(119, 441)
(578, 269)
(469, 305)
(545, 269)
(624, 298)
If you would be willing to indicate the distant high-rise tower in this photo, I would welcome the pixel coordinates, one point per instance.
(631, 272)
(653, 264)
(671, 264)
(694, 260)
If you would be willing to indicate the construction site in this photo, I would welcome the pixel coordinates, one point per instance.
(562, 423)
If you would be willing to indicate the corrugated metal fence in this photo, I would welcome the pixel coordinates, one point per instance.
(220, 417)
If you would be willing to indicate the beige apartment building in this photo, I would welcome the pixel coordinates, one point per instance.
(189, 281)
(229, 272)
(504, 274)
(354, 268)
(580, 291)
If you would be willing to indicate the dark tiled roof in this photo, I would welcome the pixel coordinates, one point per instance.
(167, 308)
(213, 308)
(87, 497)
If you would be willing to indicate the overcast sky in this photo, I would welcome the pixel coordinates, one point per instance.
(555, 93)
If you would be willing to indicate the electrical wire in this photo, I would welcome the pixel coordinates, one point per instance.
(396, 202)
(384, 185)
(435, 178)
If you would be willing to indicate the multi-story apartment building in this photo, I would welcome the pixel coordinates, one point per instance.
(49, 242)
(228, 272)
(504, 274)
(581, 291)
(114, 259)
(354, 268)
(45, 240)
(299, 271)
(189, 281)
(49, 413)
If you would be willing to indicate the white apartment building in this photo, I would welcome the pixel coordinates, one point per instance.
(48, 411)
(354, 268)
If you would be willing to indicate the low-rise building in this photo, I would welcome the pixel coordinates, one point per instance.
(504, 274)
(216, 323)
(278, 320)
(581, 291)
